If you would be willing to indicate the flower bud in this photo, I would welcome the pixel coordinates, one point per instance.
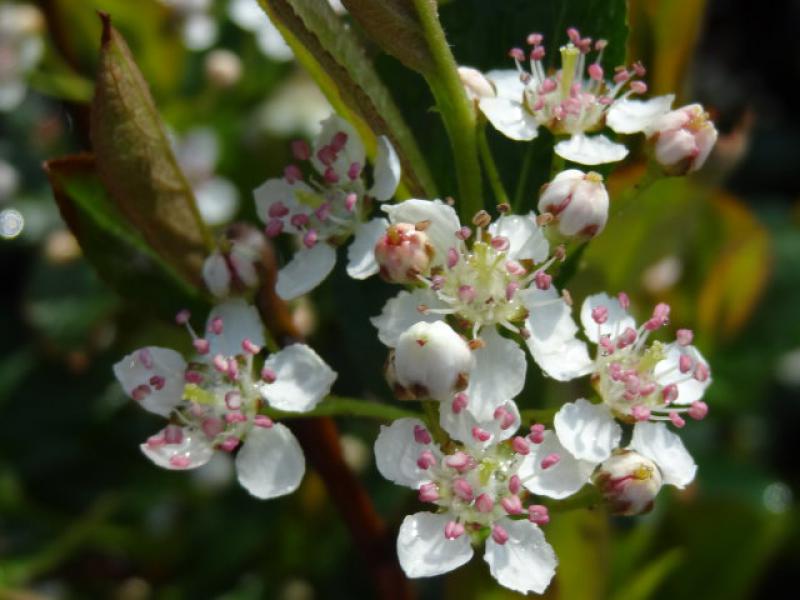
(430, 360)
(578, 202)
(629, 482)
(403, 253)
(682, 139)
(475, 83)
(234, 267)
(223, 68)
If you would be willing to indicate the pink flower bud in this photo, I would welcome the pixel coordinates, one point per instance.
(629, 482)
(484, 503)
(428, 492)
(682, 139)
(578, 201)
(403, 253)
(538, 514)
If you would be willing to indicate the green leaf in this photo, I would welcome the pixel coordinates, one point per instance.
(648, 578)
(333, 56)
(136, 164)
(118, 252)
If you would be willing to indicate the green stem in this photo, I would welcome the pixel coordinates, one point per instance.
(490, 167)
(337, 406)
(651, 175)
(585, 498)
(538, 415)
(457, 111)
(524, 173)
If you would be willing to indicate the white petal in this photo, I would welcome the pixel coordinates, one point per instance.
(240, 321)
(667, 371)
(507, 83)
(270, 462)
(525, 236)
(199, 32)
(247, 14)
(217, 200)
(386, 173)
(216, 275)
(562, 479)
(243, 259)
(396, 453)
(587, 430)
(552, 340)
(595, 150)
(353, 151)
(193, 450)
(279, 190)
(459, 425)
(131, 372)
(271, 42)
(633, 116)
(401, 312)
(498, 375)
(510, 118)
(618, 319)
(302, 379)
(526, 562)
(424, 551)
(12, 93)
(361, 261)
(307, 269)
(659, 444)
(443, 219)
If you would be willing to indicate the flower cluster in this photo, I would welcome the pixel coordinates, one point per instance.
(21, 48)
(480, 297)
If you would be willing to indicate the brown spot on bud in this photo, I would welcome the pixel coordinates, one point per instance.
(544, 219)
(476, 344)
(560, 253)
(481, 219)
(504, 208)
(422, 225)
(461, 383)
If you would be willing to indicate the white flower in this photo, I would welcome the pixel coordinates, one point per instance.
(476, 491)
(232, 268)
(636, 380)
(430, 360)
(329, 206)
(223, 68)
(248, 15)
(21, 48)
(197, 153)
(476, 280)
(213, 401)
(578, 202)
(586, 435)
(403, 253)
(198, 27)
(569, 102)
(682, 139)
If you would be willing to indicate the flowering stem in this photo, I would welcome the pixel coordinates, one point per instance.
(457, 112)
(524, 173)
(319, 438)
(490, 167)
(338, 406)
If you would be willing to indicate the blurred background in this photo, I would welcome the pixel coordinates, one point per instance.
(84, 515)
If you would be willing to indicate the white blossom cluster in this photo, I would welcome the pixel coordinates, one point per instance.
(478, 305)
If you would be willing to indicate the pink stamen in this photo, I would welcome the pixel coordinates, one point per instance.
(542, 280)
(606, 344)
(512, 505)
(623, 300)
(574, 35)
(638, 87)
(627, 338)
(262, 421)
(437, 282)
(426, 460)
(140, 392)
(339, 141)
(220, 363)
(233, 400)
(676, 419)
(538, 514)
(292, 174)
(453, 530)
(514, 484)
(534, 39)
(268, 375)
(480, 435)
(459, 402)
(201, 345)
(701, 372)
(235, 417)
(421, 435)
(499, 535)
(500, 243)
(669, 393)
(684, 336)
(595, 72)
(179, 461)
(537, 53)
(536, 436)
(326, 155)
(484, 503)
(550, 460)
(299, 220)
(464, 233)
(520, 446)
(145, 358)
(517, 54)
(548, 85)
(230, 444)
(698, 410)
(685, 363)
(300, 149)
(459, 461)
(323, 212)
(158, 382)
(310, 238)
(452, 258)
(505, 416)
(250, 347)
(466, 293)
(428, 492)
(274, 228)
(173, 434)
(463, 489)
(183, 317)
(350, 201)
(354, 171)
(212, 427)
(600, 314)
(511, 289)
(331, 176)
(216, 326)
(193, 377)
(640, 413)
(514, 268)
